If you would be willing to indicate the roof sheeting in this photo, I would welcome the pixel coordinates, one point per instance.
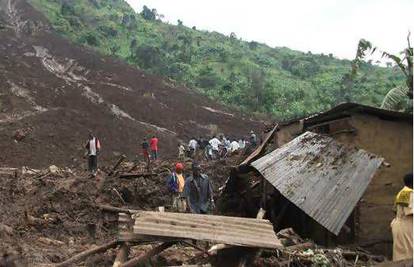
(220, 229)
(345, 109)
(320, 176)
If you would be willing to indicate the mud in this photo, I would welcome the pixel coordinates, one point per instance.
(62, 90)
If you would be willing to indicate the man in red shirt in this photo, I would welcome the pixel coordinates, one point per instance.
(154, 147)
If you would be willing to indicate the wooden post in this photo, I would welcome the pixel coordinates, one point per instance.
(143, 258)
(122, 255)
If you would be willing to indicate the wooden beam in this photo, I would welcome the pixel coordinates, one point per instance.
(116, 209)
(83, 255)
(143, 258)
(136, 175)
(261, 148)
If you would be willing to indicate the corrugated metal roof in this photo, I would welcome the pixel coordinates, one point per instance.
(220, 229)
(323, 178)
(348, 108)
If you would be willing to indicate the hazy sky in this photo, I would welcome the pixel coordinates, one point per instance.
(319, 26)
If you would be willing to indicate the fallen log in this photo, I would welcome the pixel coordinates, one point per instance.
(83, 255)
(143, 258)
(121, 256)
(136, 175)
(116, 209)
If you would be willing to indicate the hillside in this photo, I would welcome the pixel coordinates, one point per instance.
(248, 75)
(52, 92)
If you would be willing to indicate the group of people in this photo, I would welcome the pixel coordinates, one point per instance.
(194, 191)
(216, 147)
(150, 149)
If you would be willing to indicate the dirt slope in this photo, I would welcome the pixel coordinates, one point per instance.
(53, 92)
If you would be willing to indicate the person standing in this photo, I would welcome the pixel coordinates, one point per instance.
(402, 224)
(145, 152)
(198, 191)
(181, 151)
(253, 139)
(234, 146)
(214, 143)
(93, 147)
(154, 147)
(192, 145)
(175, 184)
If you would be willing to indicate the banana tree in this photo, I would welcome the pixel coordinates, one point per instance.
(397, 97)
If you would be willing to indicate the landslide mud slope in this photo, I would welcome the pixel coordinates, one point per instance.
(53, 92)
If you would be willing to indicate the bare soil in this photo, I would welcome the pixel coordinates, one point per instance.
(52, 92)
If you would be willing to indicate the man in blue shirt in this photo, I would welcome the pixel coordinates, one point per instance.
(198, 191)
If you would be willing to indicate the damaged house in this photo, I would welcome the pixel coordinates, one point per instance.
(332, 176)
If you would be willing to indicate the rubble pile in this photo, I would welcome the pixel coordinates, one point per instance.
(49, 215)
(53, 213)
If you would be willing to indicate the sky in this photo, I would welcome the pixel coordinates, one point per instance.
(319, 26)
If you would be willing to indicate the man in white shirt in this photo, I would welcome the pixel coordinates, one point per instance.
(93, 146)
(193, 144)
(214, 142)
(234, 146)
(242, 143)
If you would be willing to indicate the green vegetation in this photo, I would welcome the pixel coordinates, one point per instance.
(247, 75)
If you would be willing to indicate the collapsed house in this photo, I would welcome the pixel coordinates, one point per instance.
(320, 193)
(383, 132)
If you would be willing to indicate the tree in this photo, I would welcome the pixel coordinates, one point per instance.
(67, 9)
(253, 45)
(404, 62)
(148, 14)
(90, 39)
(114, 49)
(257, 78)
(148, 57)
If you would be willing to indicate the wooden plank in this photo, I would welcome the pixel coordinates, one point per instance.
(202, 217)
(221, 229)
(261, 148)
(260, 230)
(220, 237)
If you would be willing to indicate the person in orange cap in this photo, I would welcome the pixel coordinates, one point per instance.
(175, 184)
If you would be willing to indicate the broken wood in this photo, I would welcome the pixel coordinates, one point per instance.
(119, 195)
(215, 248)
(49, 241)
(120, 160)
(33, 221)
(121, 256)
(83, 255)
(133, 167)
(301, 246)
(116, 209)
(143, 258)
(261, 148)
(136, 175)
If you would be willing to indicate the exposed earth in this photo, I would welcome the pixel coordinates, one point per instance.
(53, 92)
